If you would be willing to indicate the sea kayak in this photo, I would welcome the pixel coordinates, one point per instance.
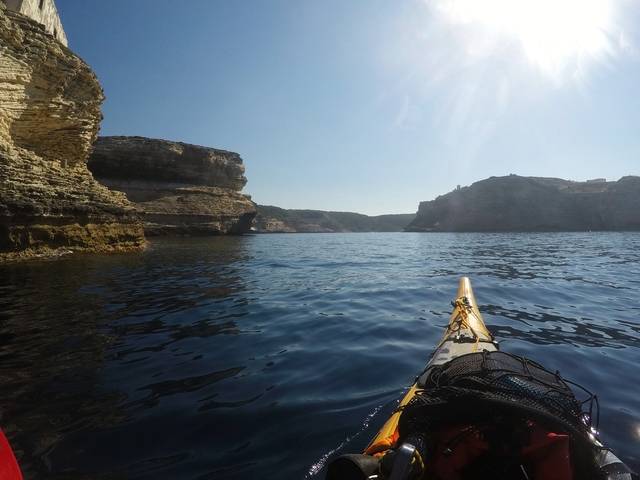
(476, 412)
(9, 469)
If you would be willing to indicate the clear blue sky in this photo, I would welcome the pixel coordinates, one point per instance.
(373, 105)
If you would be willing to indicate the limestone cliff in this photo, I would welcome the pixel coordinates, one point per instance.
(515, 203)
(180, 188)
(279, 220)
(49, 117)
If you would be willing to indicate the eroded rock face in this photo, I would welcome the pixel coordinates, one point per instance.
(181, 188)
(515, 203)
(49, 117)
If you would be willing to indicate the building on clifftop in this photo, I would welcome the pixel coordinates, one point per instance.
(42, 11)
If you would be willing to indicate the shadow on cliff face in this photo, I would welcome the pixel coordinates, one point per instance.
(86, 348)
(51, 350)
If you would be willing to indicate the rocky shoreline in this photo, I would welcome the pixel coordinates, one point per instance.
(63, 189)
(49, 117)
(51, 204)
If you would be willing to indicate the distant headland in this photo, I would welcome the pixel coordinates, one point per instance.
(533, 204)
(279, 220)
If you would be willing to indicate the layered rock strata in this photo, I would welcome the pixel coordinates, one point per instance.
(49, 117)
(180, 188)
(515, 203)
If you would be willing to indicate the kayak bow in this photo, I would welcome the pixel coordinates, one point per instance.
(466, 333)
(476, 412)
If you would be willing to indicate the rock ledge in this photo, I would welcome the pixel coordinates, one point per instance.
(178, 187)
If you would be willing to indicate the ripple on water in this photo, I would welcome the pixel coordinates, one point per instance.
(264, 356)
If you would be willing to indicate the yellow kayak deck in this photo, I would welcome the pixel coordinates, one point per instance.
(466, 333)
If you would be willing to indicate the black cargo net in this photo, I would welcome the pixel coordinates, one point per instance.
(499, 388)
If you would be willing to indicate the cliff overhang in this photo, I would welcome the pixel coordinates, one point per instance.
(179, 188)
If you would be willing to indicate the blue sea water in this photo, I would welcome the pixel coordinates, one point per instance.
(263, 356)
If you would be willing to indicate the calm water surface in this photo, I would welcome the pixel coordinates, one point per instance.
(261, 356)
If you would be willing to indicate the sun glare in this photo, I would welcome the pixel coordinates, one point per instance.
(551, 33)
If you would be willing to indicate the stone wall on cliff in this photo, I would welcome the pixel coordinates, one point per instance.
(49, 117)
(180, 188)
(42, 11)
(514, 203)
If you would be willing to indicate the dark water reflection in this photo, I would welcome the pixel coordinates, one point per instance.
(259, 357)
